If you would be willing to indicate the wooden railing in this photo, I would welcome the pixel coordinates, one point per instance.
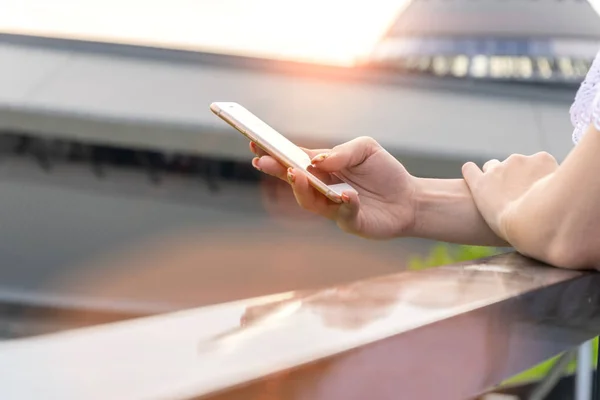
(452, 332)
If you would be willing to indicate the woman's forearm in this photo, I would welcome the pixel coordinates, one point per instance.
(558, 219)
(444, 210)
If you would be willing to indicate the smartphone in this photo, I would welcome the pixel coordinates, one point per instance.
(275, 144)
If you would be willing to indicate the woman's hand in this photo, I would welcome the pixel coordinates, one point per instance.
(383, 207)
(390, 202)
(500, 186)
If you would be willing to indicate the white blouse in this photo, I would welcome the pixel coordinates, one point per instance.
(585, 109)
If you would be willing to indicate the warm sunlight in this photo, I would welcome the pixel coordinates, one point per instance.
(324, 31)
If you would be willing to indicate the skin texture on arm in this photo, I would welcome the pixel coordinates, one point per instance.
(556, 217)
(445, 211)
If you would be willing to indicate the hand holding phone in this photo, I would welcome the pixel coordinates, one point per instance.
(386, 206)
(275, 144)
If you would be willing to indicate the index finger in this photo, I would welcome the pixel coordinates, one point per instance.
(472, 174)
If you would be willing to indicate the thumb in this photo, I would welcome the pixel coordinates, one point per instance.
(472, 174)
(347, 155)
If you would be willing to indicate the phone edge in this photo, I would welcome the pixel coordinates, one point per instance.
(315, 182)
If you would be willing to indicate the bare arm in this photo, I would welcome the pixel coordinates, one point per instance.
(392, 203)
(558, 219)
(445, 211)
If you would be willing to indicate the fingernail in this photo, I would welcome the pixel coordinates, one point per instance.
(290, 176)
(255, 163)
(345, 198)
(320, 157)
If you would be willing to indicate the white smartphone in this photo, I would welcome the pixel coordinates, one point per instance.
(275, 144)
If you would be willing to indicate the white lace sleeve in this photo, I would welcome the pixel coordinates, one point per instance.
(585, 109)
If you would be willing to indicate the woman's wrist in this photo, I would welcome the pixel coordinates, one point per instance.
(444, 210)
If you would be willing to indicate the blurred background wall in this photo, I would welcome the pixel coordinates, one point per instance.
(119, 189)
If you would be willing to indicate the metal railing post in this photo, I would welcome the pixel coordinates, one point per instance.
(596, 388)
(584, 374)
(553, 376)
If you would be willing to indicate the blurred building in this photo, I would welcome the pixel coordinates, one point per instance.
(549, 42)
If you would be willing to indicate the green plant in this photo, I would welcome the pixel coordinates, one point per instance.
(443, 253)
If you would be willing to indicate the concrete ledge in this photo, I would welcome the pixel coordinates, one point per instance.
(112, 98)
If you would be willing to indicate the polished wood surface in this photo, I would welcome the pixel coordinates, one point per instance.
(452, 331)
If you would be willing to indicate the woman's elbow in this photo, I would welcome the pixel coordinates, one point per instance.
(564, 252)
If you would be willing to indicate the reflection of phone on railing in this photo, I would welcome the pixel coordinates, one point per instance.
(275, 144)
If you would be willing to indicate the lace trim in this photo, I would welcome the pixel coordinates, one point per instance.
(585, 107)
(595, 111)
